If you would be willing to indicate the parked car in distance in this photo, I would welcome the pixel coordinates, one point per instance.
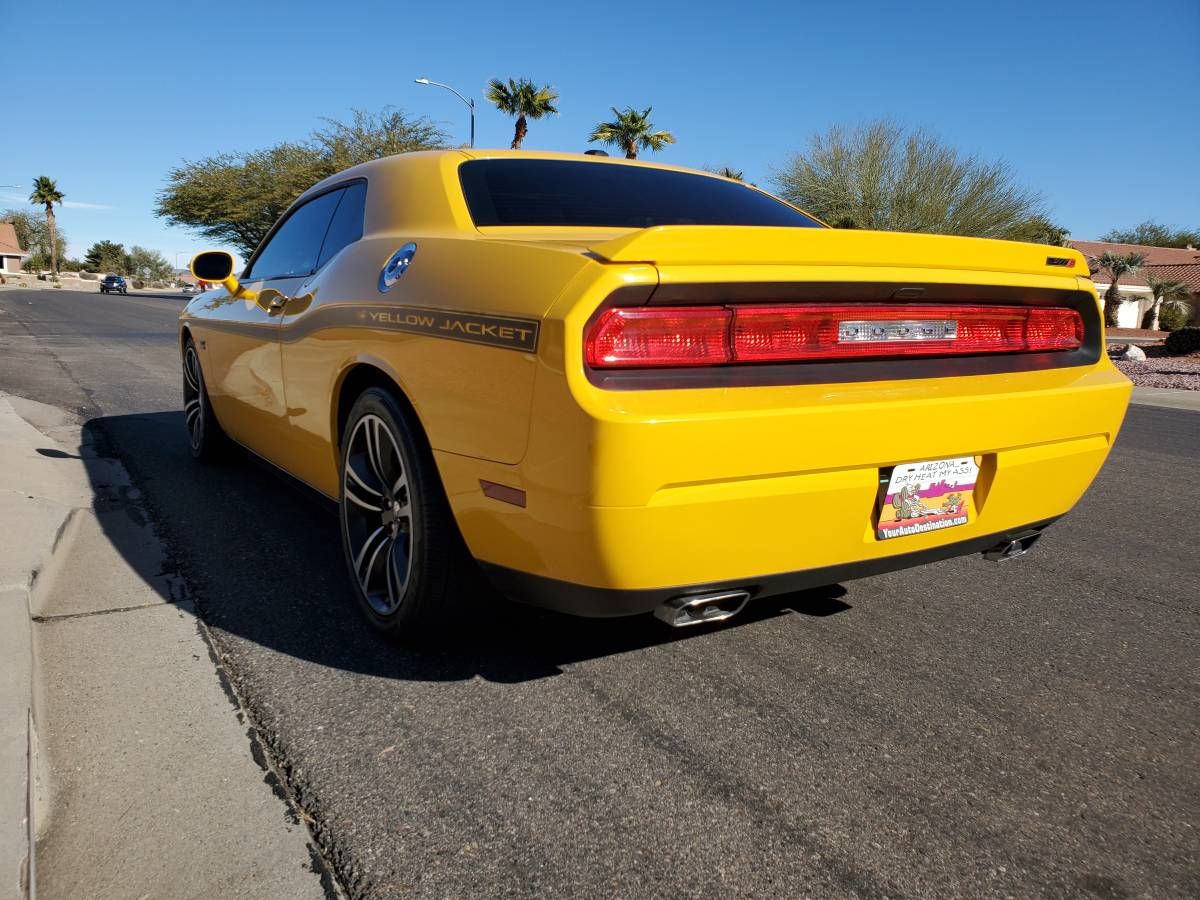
(113, 284)
(190, 289)
(623, 387)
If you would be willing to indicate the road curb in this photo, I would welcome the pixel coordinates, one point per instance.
(16, 743)
(115, 709)
(42, 505)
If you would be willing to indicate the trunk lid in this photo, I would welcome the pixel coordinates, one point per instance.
(732, 245)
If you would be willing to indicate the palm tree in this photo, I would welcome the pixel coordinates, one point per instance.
(1117, 266)
(46, 192)
(1172, 295)
(630, 130)
(726, 172)
(521, 98)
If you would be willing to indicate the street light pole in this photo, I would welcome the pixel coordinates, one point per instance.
(467, 100)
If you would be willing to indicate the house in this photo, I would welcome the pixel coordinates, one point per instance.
(11, 253)
(1163, 263)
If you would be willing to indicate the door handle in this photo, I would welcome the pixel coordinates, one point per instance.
(278, 302)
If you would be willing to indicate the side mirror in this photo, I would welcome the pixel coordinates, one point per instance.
(217, 265)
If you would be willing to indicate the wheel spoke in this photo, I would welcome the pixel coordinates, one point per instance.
(359, 478)
(192, 411)
(374, 451)
(398, 569)
(402, 509)
(190, 371)
(394, 591)
(359, 501)
(375, 542)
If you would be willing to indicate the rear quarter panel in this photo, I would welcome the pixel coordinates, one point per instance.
(471, 399)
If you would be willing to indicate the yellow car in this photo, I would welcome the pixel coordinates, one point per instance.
(623, 387)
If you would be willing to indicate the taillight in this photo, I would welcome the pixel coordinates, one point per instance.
(714, 335)
(668, 336)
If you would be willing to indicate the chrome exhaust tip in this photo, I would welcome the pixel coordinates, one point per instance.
(693, 609)
(1012, 549)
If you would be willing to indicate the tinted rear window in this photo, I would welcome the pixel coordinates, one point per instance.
(347, 224)
(560, 192)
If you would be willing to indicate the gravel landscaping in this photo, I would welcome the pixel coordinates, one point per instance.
(1159, 370)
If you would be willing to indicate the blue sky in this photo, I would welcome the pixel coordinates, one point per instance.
(1093, 104)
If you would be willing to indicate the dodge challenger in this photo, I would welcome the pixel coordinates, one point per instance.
(619, 387)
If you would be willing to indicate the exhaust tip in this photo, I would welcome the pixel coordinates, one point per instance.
(679, 612)
(1014, 548)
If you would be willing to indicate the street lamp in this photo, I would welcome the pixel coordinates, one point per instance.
(470, 102)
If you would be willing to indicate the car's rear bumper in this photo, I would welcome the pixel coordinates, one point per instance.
(771, 489)
(585, 600)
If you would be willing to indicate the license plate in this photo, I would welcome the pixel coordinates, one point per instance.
(927, 496)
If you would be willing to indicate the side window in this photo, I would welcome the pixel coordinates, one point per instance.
(347, 224)
(294, 248)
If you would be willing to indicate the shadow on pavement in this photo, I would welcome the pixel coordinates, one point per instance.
(262, 555)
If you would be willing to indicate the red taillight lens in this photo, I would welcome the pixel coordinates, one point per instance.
(766, 333)
(670, 336)
(712, 335)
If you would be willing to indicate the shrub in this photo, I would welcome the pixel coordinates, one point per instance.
(1172, 319)
(1183, 341)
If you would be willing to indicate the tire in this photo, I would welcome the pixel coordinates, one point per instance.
(205, 437)
(407, 563)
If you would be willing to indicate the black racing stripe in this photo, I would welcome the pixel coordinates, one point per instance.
(507, 332)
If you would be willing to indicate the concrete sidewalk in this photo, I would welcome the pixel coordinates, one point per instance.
(1166, 397)
(125, 759)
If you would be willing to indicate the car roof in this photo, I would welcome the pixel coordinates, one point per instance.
(423, 159)
(421, 188)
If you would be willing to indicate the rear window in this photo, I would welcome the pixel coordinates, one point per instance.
(564, 193)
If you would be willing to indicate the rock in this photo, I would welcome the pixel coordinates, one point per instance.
(1134, 352)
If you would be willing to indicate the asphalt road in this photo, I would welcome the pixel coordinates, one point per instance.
(968, 728)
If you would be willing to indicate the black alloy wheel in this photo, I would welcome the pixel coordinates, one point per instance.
(204, 434)
(403, 551)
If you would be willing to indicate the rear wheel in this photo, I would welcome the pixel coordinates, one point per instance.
(403, 551)
(204, 434)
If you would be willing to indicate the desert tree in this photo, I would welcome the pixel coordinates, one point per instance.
(233, 199)
(885, 177)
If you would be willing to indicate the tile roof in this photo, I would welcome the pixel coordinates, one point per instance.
(1167, 263)
(8, 240)
(1155, 256)
(1189, 275)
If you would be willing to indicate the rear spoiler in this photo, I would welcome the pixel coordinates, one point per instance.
(698, 245)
